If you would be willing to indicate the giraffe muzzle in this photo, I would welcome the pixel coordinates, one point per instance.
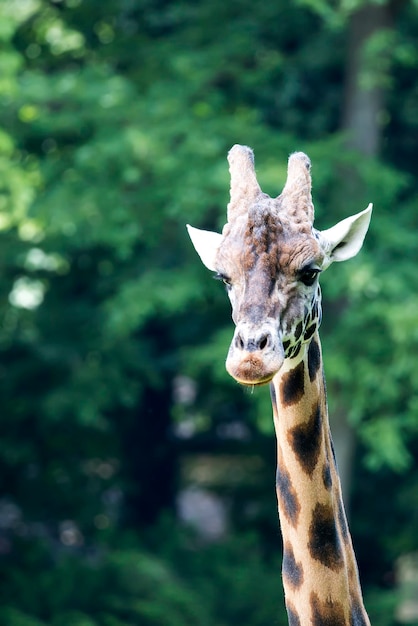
(255, 355)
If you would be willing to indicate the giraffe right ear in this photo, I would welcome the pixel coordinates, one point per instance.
(206, 244)
(344, 240)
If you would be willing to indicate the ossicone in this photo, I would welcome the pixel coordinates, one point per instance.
(298, 187)
(244, 185)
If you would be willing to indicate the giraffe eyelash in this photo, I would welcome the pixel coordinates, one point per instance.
(223, 278)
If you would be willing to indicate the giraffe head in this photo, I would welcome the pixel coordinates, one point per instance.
(270, 256)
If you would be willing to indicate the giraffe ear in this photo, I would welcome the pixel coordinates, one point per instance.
(206, 244)
(344, 240)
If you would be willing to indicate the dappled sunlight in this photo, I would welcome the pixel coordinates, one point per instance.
(27, 293)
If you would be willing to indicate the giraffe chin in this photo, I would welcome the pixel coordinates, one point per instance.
(251, 370)
(258, 383)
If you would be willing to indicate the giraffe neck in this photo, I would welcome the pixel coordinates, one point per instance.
(320, 576)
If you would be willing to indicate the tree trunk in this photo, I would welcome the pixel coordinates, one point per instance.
(363, 104)
(150, 462)
(361, 120)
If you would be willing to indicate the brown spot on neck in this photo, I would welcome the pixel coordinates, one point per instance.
(358, 615)
(326, 476)
(286, 495)
(292, 570)
(328, 613)
(305, 440)
(292, 385)
(292, 616)
(324, 539)
(314, 359)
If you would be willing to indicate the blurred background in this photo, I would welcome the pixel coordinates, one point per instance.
(136, 478)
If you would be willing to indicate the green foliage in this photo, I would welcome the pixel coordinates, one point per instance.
(380, 324)
(15, 617)
(116, 121)
(129, 586)
(381, 606)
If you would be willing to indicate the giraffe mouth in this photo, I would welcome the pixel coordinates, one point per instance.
(252, 371)
(257, 383)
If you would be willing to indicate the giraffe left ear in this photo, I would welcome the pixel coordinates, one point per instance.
(206, 244)
(344, 240)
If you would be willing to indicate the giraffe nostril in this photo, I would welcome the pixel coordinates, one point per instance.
(263, 342)
(239, 342)
(252, 343)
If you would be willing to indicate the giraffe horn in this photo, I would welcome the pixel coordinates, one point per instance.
(244, 185)
(297, 190)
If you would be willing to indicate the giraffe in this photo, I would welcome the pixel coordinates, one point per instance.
(269, 255)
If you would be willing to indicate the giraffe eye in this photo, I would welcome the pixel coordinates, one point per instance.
(308, 275)
(223, 278)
